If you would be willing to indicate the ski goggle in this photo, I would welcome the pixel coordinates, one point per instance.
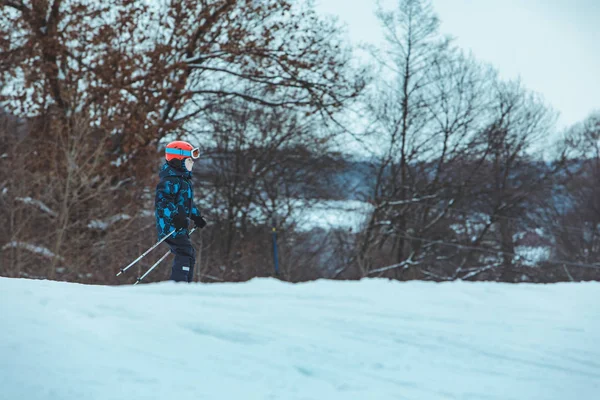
(194, 153)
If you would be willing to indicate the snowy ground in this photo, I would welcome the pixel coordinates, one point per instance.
(265, 339)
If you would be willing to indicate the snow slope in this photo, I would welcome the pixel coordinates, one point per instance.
(264, 339)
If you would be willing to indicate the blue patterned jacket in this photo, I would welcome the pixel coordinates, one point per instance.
(174, 192)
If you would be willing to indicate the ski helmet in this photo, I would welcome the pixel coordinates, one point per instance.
(181, 154)
(180, 150)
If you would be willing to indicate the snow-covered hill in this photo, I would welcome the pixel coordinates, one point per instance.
(265, 339)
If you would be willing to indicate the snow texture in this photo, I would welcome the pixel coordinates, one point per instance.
(37, 203)
(264, 339)
(533, 255)
(103, 225)
(40, 250)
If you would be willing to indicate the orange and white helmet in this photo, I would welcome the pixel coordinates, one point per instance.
(180, 150)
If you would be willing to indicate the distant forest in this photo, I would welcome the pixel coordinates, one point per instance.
(465, 175)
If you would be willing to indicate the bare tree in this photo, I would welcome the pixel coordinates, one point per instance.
(260, 163)
(455, 168)
(511, 180)
(426, 115)
(572, 213)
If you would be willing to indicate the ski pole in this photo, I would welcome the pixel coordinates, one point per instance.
(138, 280)
(145, 253)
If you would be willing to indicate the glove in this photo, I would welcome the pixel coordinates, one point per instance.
(180, 220)
(199, 221)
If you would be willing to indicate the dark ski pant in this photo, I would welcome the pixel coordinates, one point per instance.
(185, 258)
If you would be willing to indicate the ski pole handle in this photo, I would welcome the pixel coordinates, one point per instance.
(122, 270)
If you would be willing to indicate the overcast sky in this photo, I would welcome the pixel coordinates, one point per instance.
(552, 45)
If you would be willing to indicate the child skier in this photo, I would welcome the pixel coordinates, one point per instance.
(174, 204)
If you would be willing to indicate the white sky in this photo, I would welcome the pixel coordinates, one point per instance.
(552, 45)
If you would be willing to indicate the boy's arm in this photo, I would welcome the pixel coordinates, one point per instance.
(165, 200)
(197, 217)
(195, 211)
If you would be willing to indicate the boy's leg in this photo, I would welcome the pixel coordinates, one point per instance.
(185, 258)
(192, 263)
